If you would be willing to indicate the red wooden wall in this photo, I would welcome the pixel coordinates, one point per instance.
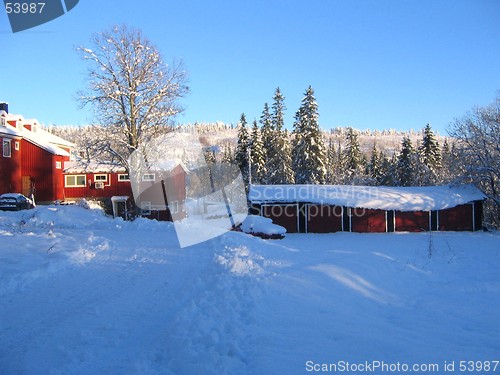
(324, 218)
(39, 166)
(458, 218)
(285, 215)
(112, 187)
(366, 220)
(411, 221)
(10, 168)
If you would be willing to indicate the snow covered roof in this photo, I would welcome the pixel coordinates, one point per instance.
(80, 166)
(47, 136)
(422, 198)
(36, 135)
(10, 130)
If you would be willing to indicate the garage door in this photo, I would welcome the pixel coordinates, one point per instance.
(324, 218)
(365, 220)
(413, 221)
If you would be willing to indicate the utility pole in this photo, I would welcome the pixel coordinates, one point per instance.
(249, 166)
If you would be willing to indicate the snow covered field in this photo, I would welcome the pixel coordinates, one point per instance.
(81, 293)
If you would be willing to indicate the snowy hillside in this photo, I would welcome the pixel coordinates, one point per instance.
(222, 134)
(81, 293)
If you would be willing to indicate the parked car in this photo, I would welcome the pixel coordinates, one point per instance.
(15, 202)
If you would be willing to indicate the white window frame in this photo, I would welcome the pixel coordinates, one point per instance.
(58, 165)
(75, 176)
(173, 207)
(123, 177)
(99, 177)
(3, 122)
(16, 145)
(147, 177)
(7, 148)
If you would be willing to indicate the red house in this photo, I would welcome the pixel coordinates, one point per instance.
(40, 164)
(32, 159)
(93, 180)
(336, 208)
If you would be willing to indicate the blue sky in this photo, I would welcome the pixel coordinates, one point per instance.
(373, 64)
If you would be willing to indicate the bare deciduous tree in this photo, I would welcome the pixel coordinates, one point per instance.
(133, 93)
(478, 135)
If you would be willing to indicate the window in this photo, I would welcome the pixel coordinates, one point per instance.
(148, 177)
(75, 181)
(101, 178)
(2, 121)
(146, 208)
(7, 148)
(122, 177)
(58, 165)
(173, 207)
(16, 146)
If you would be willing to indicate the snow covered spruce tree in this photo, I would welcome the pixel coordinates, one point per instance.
(353, 160)
(276, 144)
(388, 170)
(133, 93)
(242, 148)
(308, 152)
(374, 167)
(331, 162)
(405, 169)
(257, 156)
(430, 157)
(478, 147)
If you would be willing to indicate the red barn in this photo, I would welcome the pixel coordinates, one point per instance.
(32, 158)
(334, 208)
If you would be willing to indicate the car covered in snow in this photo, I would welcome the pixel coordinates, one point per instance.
(15, 202)
(262, 227)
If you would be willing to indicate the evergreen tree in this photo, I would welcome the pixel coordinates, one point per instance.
(241, 155)
(227, 156)
(278, 114)
(405, 170)
(276, 143)
(353, 159)
(308, 154)
(209, 154)
(331, 163)
(267, 133)
(388, 170)
(375, 165)
(430, 156)
(257, 159)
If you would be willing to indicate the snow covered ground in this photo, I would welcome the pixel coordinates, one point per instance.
(81, 293)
